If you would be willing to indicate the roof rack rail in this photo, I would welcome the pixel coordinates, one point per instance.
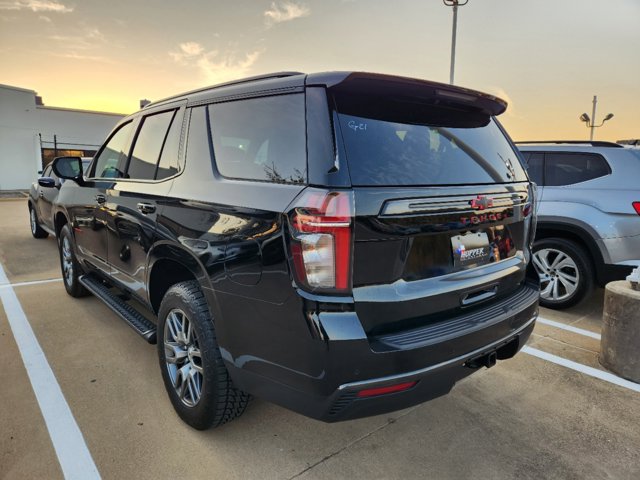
(593, 143)
(257, 77)
(226, 84)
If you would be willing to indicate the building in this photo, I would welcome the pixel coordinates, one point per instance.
(32, 135)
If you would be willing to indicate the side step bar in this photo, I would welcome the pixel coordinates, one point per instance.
(143, 327)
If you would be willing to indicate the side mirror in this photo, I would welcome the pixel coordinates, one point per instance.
(46, 182)
(69, 168)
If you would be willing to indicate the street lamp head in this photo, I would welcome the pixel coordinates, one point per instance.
(585, 118)
(455, 3)
(608, 117)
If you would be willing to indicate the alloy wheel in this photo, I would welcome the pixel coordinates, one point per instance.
(559, 275)
(67, 261)
(183, 358)
(34, 224)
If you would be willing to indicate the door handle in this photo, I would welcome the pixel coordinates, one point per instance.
(479, 295)
(100, 198)
(146, 208)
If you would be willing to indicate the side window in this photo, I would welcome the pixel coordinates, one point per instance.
(149, 143)
(570, 168)
(261, 138)
(168, 165)
(197, 141)
(107, 163)
(535, 167)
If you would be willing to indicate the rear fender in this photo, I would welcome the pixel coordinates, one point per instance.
(579, 233)
(195, 263)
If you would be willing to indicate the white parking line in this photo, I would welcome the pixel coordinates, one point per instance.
(34, 282)
(569, 328)
(73, 455)
(578, 367)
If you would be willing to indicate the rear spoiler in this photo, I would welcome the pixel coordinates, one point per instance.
(374, 84)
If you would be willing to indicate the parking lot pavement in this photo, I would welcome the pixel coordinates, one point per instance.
(525, 418)
(23, 257)
(25, 448)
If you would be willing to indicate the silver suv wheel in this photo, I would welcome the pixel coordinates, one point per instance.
(559, 275)
(182, 357)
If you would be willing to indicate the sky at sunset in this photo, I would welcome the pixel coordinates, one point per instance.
(547, 58)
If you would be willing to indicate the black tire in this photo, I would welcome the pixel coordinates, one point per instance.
(573, 266)
(71, 269)
(34, 222)
(218, 401)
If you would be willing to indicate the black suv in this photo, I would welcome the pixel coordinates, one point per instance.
(342, 244)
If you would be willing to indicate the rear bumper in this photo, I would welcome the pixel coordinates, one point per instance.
(435, 357)
(432, 381)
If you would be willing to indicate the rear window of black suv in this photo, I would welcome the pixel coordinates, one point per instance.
(408, 146)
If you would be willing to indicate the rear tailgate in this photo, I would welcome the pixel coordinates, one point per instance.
(422, 254)
(442, 203)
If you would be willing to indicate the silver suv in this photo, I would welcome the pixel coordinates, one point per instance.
(588, 216)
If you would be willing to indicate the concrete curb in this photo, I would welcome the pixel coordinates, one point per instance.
(12, 199)
(621, 331)
(13, 195)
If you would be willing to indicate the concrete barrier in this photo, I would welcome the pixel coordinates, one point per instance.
(620, 344)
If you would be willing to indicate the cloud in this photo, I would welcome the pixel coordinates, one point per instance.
(91, 39)
(215, 66)
(35, 6)
(81, 57)
(222, 68)
(187, 50)
(285, 12)
(45, 18)
(95, 34)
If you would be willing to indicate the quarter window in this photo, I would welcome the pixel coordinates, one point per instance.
(108, 162)
(570, 168)
(197, 141)
(261, 138)
(149, 143)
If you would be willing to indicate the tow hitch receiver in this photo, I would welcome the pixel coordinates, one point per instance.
(487, 360)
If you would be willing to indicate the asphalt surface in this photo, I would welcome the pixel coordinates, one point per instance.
(524, 418)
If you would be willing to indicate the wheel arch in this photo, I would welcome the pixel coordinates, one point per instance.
(169, 264)
(59, 220)
(579, 235)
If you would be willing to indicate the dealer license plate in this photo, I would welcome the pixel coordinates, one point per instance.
(471, 249)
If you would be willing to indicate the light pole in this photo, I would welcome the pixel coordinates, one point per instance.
(455, 4)
(591, 122)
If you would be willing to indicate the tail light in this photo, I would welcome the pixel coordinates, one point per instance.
(321, 225)
(532, 211)
(636, 207)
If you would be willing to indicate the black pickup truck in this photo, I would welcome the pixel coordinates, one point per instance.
(343, 244)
